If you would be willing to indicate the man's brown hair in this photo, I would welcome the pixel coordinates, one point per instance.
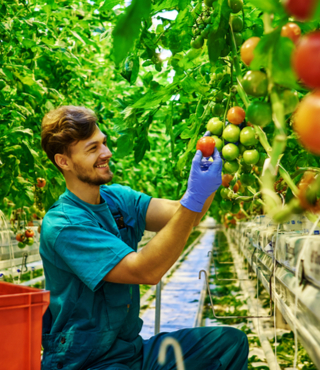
(64, 126)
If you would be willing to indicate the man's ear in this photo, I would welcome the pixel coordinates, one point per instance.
(62, 161)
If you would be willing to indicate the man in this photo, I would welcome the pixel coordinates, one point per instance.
(88, 245)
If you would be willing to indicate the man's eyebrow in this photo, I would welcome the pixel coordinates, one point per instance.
(94, 142)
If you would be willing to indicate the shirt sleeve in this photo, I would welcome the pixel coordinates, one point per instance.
(89, 252)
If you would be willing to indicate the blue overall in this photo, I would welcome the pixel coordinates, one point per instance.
(92, 324)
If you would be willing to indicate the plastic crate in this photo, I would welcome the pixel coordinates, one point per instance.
(21, 311)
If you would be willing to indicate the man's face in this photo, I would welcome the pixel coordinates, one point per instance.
(90, 160)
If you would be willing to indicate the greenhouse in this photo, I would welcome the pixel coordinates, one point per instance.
(160, 184)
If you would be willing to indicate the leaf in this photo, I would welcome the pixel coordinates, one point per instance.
(164, 4)
(28, 157)
(270, 6)
(124, 145)
(190, 85)
(108, 5)
(152, 98)
(169, 130)
(3, 102)
(142, 145)
(27, 131)
(128, 27)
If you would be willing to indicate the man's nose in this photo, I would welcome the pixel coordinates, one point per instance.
(106, 153)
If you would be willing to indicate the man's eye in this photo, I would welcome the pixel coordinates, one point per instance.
(93, 148)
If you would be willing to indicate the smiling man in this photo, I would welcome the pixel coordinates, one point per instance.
(88, 245)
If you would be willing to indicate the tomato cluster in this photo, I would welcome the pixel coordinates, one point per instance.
(25, 238)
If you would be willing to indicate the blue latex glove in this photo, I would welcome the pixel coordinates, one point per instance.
(202, 184)
(208, 133)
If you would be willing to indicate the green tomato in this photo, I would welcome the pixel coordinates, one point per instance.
(248, 136)
(219, 143)
(206, 31)
(235, 208)
(230, 152)
(237, 38)
(218, 109)
(209, 3)
(224, 192)
(215, 126)
(259, 113)
(197, 43)
(225, 51)
(226, 205)
(219, 96)
(237, 23)
(255, 83)
(290, 100)
(251, 156)
(231, 167)
(235, 5)
(30, 241)
(21, 245)
(231, 133)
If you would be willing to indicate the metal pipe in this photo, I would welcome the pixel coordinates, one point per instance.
(169, 341)
(158, 309)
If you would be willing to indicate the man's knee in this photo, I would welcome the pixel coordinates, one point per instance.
(238, 339)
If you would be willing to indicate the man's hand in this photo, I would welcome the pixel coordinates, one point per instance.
(202, 184)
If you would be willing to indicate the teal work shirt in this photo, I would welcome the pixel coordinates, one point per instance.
(89, 319)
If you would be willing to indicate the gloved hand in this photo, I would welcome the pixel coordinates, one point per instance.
(208, 133)
(202, 184)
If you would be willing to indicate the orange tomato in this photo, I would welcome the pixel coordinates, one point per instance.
(226, 179)
(236, 115)
(292, 31)
(247, 50)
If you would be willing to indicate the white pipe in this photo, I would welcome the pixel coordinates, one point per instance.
(169, 341)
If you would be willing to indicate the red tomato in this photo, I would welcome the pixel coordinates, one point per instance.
(20, 237)
(237, 186)
(226, 179)
(247, 50)
(206, 145)
(236, 115)
(292, 31)
(29, 233)
(306, 122)
(300, 9)
(306, 59)
(41, 182)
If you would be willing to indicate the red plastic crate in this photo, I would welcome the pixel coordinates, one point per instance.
(21, 311)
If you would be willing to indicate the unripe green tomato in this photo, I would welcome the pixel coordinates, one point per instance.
(231, 133)
(30, 241)
(248, 136)
(206, 31)
(197, 43)
(255, 83)
(219, 96)
(235, 5)
(219, 143)
(230, 152)
(235, 208)
(251, 156)
(215, 126)
(226, 205)
(230, 167)
(290, 100)
(218, 109)
(237, 23)
(21, 245)
(224, 192)
(237, 38)
(259, 113)
(209, 3)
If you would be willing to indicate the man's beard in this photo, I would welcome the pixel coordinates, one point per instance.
(91, 180)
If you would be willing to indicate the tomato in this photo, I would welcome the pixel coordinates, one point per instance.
(247, 50)
(259, 113)
(251, 156)
(219, 142)
(29, 233)
(230, 152)
(226, 179)
(231, 133)
(236, 187)
(225, 51)
(231, 166)
(248, 136)
(21, 245)
(219, 96)
(237, 38)
(235, 5)
(302, 10)
(306, 122)
(236, 115)
(215, 126)
(255, 83)
(306, 59)
(237, 23)
(41, 182)
(20, 237)
(224, 192)
(292, 31)
(30, 241)
(218, 109)
(197, 43)
(290, 100)
(206, 145)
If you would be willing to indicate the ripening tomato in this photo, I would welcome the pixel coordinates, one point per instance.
(306, 59)
(292, 31)
(302, 10)
(41, 182)
(306, 122)
(236, 187)
(20, 237)
(247, 50)
(226, 179)
(29, 233)
(206, 145)
(255, 83)
(236, 115)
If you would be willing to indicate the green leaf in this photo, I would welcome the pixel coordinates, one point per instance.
(124, 145)
(270, 6)
(164, 4)
(108, 5)
(28, 157)
(128, 28)
(190, 85)
(3, 102)
(152, 98)
(142, 145)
